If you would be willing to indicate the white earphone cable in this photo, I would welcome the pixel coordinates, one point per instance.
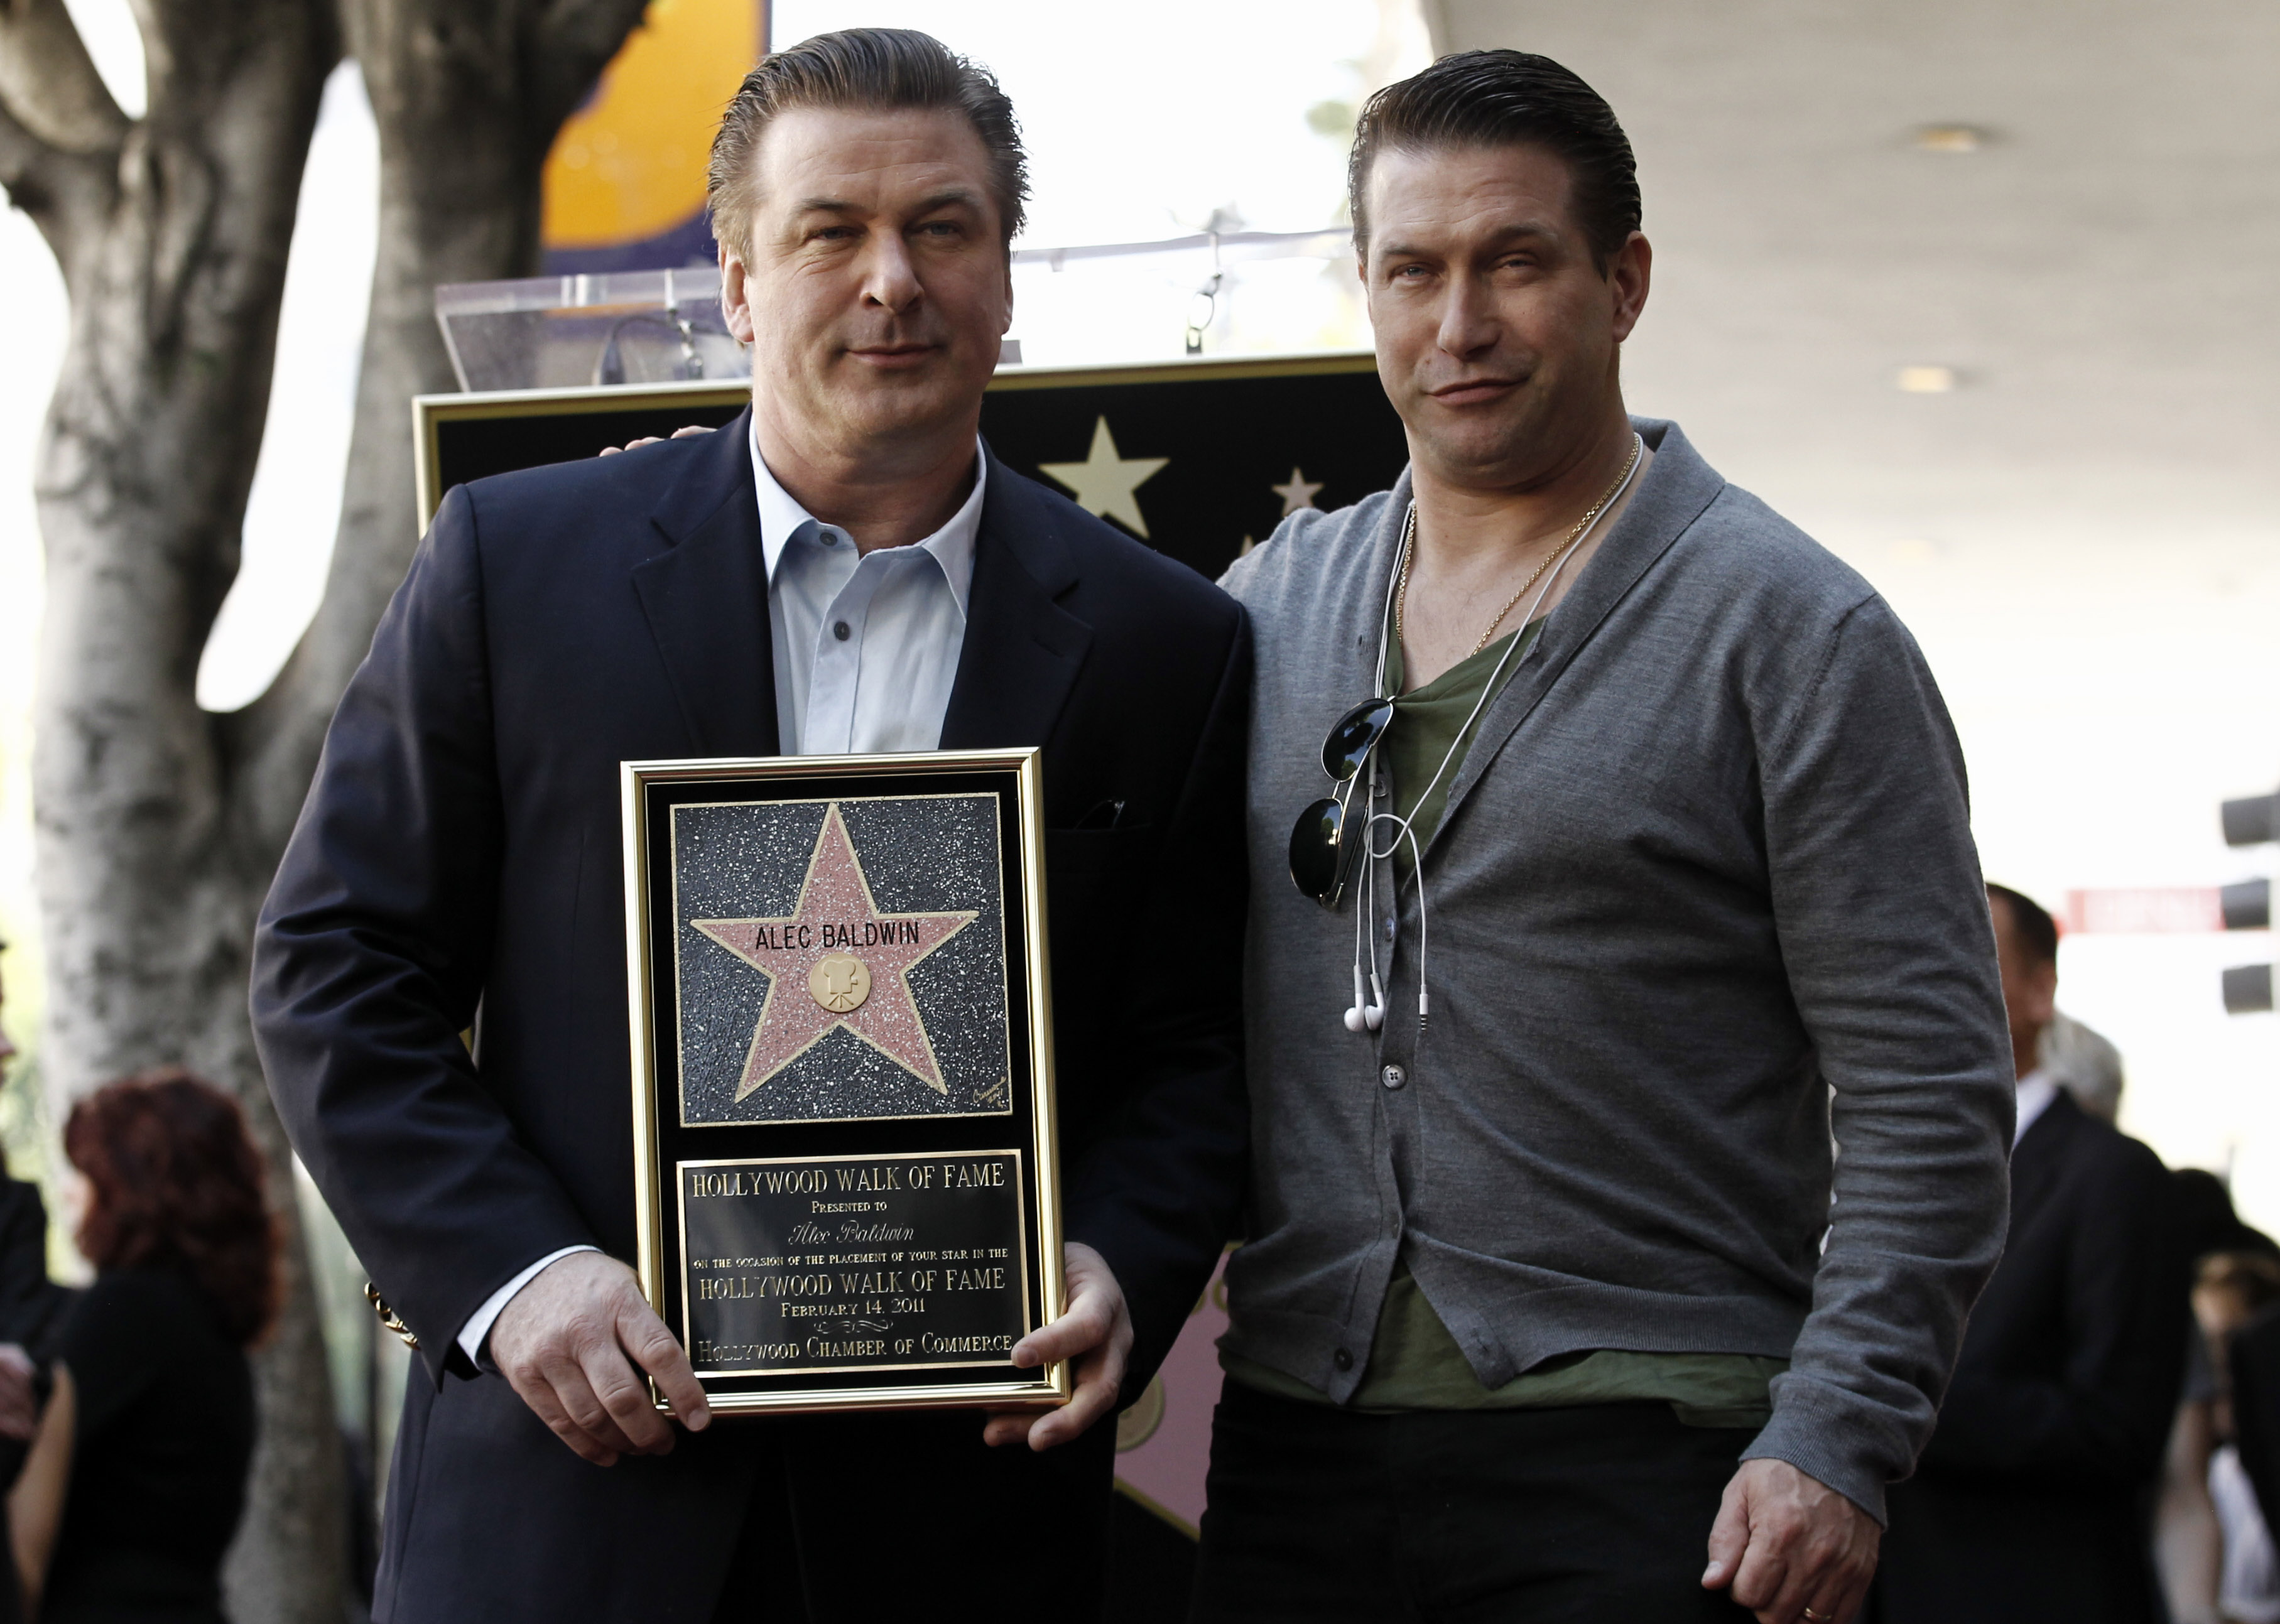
(1371, 855)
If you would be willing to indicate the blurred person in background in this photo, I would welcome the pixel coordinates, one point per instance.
(136, 1479)
(2210, 1223)
(2214, 1547)
(29, 1305)
(2084, 1063)
(2033, 1500)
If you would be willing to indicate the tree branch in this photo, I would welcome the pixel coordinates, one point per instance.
(47, 82)
(60, 132)
(571, 42)
(55, 188)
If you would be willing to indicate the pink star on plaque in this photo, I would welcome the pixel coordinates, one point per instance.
(837, 961)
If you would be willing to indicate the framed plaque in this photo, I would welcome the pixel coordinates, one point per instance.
(843, 1080)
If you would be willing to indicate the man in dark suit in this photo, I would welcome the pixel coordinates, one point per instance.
(2032, 1501)
(842, 568)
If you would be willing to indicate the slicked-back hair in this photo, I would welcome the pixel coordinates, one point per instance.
(871, 69)
(1505, 98)
(2038, 932)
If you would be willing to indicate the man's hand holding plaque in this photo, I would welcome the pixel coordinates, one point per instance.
(574, 1344)
(1095, 1335)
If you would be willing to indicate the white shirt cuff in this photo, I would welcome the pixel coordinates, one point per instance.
(479, 1323)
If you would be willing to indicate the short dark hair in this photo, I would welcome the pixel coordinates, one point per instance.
(2252, 1276)
(176, 1183)
(2038, 932)
(874, 68)
(1505, 98)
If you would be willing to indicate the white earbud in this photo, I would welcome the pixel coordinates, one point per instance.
(1364, 1016)
(1370, 1016)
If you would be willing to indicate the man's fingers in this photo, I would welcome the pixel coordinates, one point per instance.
(1084, 1328)
(625, 1395)
(1758, 1581)
(565, 1370)
(1836, 1599)
(1094, 1334)
(1765, 1559)
(547, 1405)
(1009, 1427)
(1099, 1378)
(683, 432)
(1729, 1537)
(1843, 1590)
(655, 1350)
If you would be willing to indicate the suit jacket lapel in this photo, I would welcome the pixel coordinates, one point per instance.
(1022, 650)
(706, 600)
(1671, 495)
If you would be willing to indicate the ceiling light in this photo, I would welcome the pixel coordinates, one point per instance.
(1926, 380)
(1951, 138)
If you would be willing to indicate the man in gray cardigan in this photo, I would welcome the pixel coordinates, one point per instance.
(1662, 1124)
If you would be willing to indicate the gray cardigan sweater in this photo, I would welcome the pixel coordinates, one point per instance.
(1704, 895)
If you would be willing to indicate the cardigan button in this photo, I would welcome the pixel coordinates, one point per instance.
(1393, 1076)
(1342, 1360)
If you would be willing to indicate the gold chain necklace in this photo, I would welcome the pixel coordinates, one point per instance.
(1582, 526)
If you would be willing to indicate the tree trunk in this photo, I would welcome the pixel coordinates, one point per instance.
(159, 824)
(467, 96)
(171, 232)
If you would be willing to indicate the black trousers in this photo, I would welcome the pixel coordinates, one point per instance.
(911, 1516)
(1579, 1515)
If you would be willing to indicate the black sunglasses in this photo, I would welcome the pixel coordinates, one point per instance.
(1322, 856)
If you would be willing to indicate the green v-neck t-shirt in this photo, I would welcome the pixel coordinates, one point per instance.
(1414, 1362)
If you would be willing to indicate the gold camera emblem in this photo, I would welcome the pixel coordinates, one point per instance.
(840, 983)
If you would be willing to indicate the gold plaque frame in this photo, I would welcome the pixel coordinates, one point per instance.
(664, 1145)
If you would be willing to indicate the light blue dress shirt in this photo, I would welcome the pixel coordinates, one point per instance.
(867, 644)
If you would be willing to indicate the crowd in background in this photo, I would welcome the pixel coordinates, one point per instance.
(127, 1407)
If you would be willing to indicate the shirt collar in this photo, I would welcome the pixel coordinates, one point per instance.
(2036, 1090)
(952, 546)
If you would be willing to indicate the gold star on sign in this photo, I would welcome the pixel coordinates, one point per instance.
(1297, 494)
(1105, 483)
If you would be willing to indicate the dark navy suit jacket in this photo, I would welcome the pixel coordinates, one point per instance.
(458, 863)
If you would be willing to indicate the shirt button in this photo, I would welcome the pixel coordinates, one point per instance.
(841, 630)
(1342, 1360)
(830, 537)
(1393, 1076)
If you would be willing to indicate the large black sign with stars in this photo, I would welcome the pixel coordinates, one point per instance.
(1197, 458)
